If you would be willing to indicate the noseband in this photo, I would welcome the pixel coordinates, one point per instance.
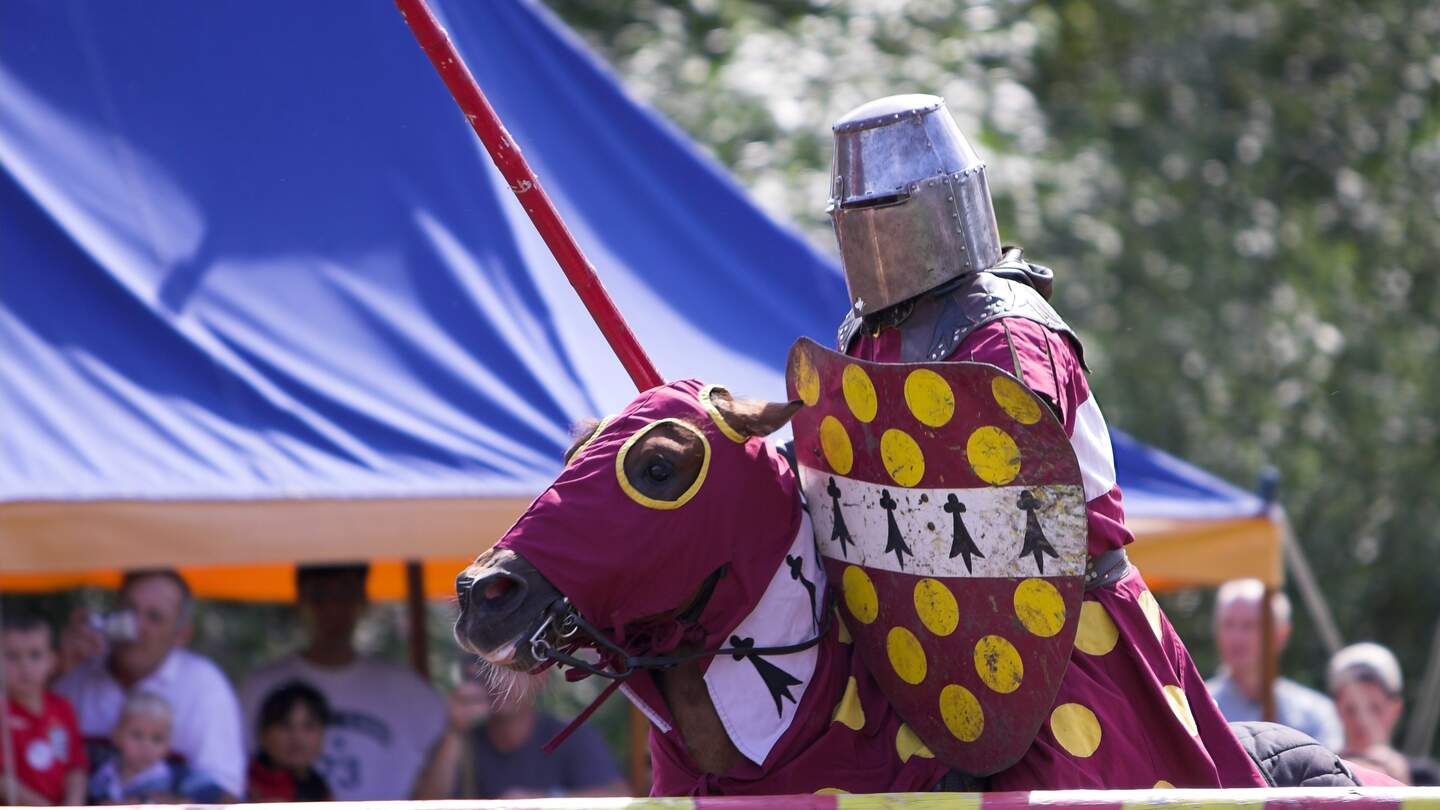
(576, 633)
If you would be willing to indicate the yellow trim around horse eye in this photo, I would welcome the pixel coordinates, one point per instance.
(719, 418)
(640, 497)
(594, 434)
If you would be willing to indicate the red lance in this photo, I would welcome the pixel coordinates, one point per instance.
(506, 154)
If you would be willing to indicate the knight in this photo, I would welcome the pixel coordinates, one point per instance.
(930, 280)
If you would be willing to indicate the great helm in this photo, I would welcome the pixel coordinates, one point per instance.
(909, 201)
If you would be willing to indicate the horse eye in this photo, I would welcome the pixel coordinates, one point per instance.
(659, 470)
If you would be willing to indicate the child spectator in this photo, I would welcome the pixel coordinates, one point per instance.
(139, 773)
(49, 754)
(292, 735)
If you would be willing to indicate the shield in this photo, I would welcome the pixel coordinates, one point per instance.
(948, 504)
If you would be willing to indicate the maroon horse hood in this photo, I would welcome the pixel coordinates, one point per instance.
(621, 557)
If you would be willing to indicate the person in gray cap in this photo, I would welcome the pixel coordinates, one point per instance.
(930, 280)
(1365, 681)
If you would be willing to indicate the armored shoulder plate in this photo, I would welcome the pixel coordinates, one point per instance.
(933, 324)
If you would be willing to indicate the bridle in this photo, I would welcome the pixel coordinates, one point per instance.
(575, 633)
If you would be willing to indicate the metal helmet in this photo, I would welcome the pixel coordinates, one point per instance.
(909, 201)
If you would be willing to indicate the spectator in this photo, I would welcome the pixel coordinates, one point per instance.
(383, 717)
(205, 725)
(137, 772)
(491, 750)
(1238, 685)
(1365, 681)
(50, 762)
(292, 735)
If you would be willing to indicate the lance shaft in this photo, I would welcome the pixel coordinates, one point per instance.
(506, 154)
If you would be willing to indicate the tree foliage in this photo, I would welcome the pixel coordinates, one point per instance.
(1240, 200)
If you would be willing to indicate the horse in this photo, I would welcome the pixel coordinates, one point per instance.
(674, 556)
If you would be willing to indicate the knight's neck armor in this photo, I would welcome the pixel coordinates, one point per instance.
(933, 323)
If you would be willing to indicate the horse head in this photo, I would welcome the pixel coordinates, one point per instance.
(659, 535)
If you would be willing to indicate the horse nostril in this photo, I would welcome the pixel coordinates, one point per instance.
(497, 588)
(495, 592)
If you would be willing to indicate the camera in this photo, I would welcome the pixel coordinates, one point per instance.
(115, 626)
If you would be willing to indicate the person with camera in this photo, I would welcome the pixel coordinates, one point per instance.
(141, 646)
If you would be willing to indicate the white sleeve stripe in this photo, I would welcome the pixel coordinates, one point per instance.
(1091, 443)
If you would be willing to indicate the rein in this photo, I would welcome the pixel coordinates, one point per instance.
(575, 633)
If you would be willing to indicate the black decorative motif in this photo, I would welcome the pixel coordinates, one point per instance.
(962, 544)
(777, 680)
(1035, 542)
(894, 541)
(840, 531)
(797, 573)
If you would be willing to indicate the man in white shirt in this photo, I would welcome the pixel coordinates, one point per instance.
(1237, 686)
(384, 717)
(98, 676)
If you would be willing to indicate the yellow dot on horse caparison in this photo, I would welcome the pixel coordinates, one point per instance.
(936, 606)
(906, 655)
(1040, 607)
(832, 792)
(1151, 609)
(859, 393)
(807, 378)
(1076, 729)
(1163, 785)
(993, 455)
(1097, 633)
(998, 664)
(929, 397)
(1015, 400)
(835, 444)
(1180, 705)
(961, 711)
(849, 712)
(860, 595)
(902, 457)
(908, 744)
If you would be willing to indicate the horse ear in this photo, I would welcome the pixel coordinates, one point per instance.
(751, 417)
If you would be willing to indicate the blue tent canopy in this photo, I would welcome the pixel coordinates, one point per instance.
(265, 298)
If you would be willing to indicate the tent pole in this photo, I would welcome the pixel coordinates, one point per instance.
(1269, 656)
(1310, 591)
(415, 610)
(1421, 733)
(7, 745)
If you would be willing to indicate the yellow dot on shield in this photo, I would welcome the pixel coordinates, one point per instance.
(906, 655)
(848, 712)
(860, 595)
(908, 744)
(902, 457)
(1097, 633)
(1151, 609)
(936, 606)
(807, 378)
(1163, 785)
(1076, 729)
(1040, 607)
(844, 631)
(835, 443)
(998, 664)
(859, 393)
(929, 397)
(961, 712)
(1015, 400)
(993, 455)
(1181, 706)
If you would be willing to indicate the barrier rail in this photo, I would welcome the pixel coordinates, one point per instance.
(1399, 798)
